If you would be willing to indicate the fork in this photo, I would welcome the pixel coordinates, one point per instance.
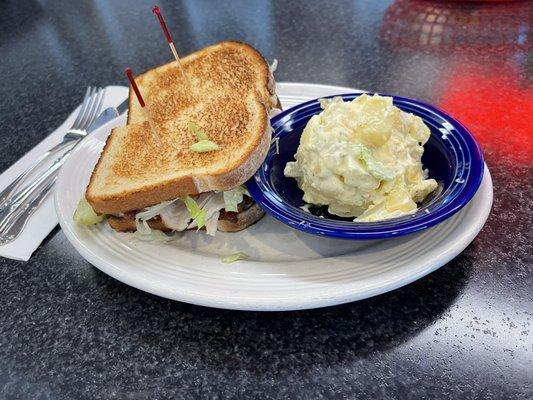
(89, 110)
(17, 208)
(13, 220)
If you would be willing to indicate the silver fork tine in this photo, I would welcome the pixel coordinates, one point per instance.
(89, 109)
(15, 209)
(82, 108)
(101, 102)
(83, 113)
(9, 189)
(96, 107)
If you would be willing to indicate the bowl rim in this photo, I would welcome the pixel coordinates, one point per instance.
(262, 191)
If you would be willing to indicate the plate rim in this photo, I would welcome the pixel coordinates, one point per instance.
(283, 304)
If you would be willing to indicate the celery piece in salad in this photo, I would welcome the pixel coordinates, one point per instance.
(375, 167)
(193, 128)
(235, 257)
(204, 146)
(196, 212)
(85, 214)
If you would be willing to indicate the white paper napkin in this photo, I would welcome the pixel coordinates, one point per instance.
(44, 219)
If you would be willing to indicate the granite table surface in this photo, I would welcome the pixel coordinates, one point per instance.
(68, 331)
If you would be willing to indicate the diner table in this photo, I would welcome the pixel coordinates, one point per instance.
(69, 331)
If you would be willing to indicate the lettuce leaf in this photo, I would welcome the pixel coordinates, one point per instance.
(233, 197)
(211, 224)
(195, 129)
(197, 214)
(203, 146)
(235, 257)
(150, 212)
(85, 214)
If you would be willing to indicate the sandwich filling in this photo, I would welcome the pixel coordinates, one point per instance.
(204, 210)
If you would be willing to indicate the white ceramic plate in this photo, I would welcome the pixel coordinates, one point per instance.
(287, 270)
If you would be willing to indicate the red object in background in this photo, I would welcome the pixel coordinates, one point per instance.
(485, 84)
(466, 26)
(495, 106)
(479, 1)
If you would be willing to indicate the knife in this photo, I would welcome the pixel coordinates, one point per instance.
(107, 115)
(31, 197)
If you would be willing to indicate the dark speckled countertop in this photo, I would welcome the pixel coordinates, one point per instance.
(67, 331)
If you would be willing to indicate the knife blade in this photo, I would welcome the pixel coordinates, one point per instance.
(107, 115)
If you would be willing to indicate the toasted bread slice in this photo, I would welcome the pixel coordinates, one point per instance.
(241, 221)
(229, 97)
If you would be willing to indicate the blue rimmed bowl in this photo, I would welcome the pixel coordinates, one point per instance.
(452, 155)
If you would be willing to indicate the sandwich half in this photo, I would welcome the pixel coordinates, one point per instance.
(150, 175)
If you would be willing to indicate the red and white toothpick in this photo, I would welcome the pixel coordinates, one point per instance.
(134, 86)
(147, 115)
(157, 11)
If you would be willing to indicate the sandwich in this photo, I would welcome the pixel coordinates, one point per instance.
(183, 164)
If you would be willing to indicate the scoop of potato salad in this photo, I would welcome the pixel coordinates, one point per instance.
(363, 159)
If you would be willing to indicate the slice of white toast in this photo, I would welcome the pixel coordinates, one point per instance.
(228, 95)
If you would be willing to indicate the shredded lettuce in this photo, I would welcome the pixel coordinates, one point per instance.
(235, 257)
(233, 197)
(141, 219)
(197, 214)
(85, 214)
(152, 211)
(195, 129)
(146, 234)
(142, 227)
(187, 213)
(211, 225)
(203, 146)
(214, 202)
(211, 203)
